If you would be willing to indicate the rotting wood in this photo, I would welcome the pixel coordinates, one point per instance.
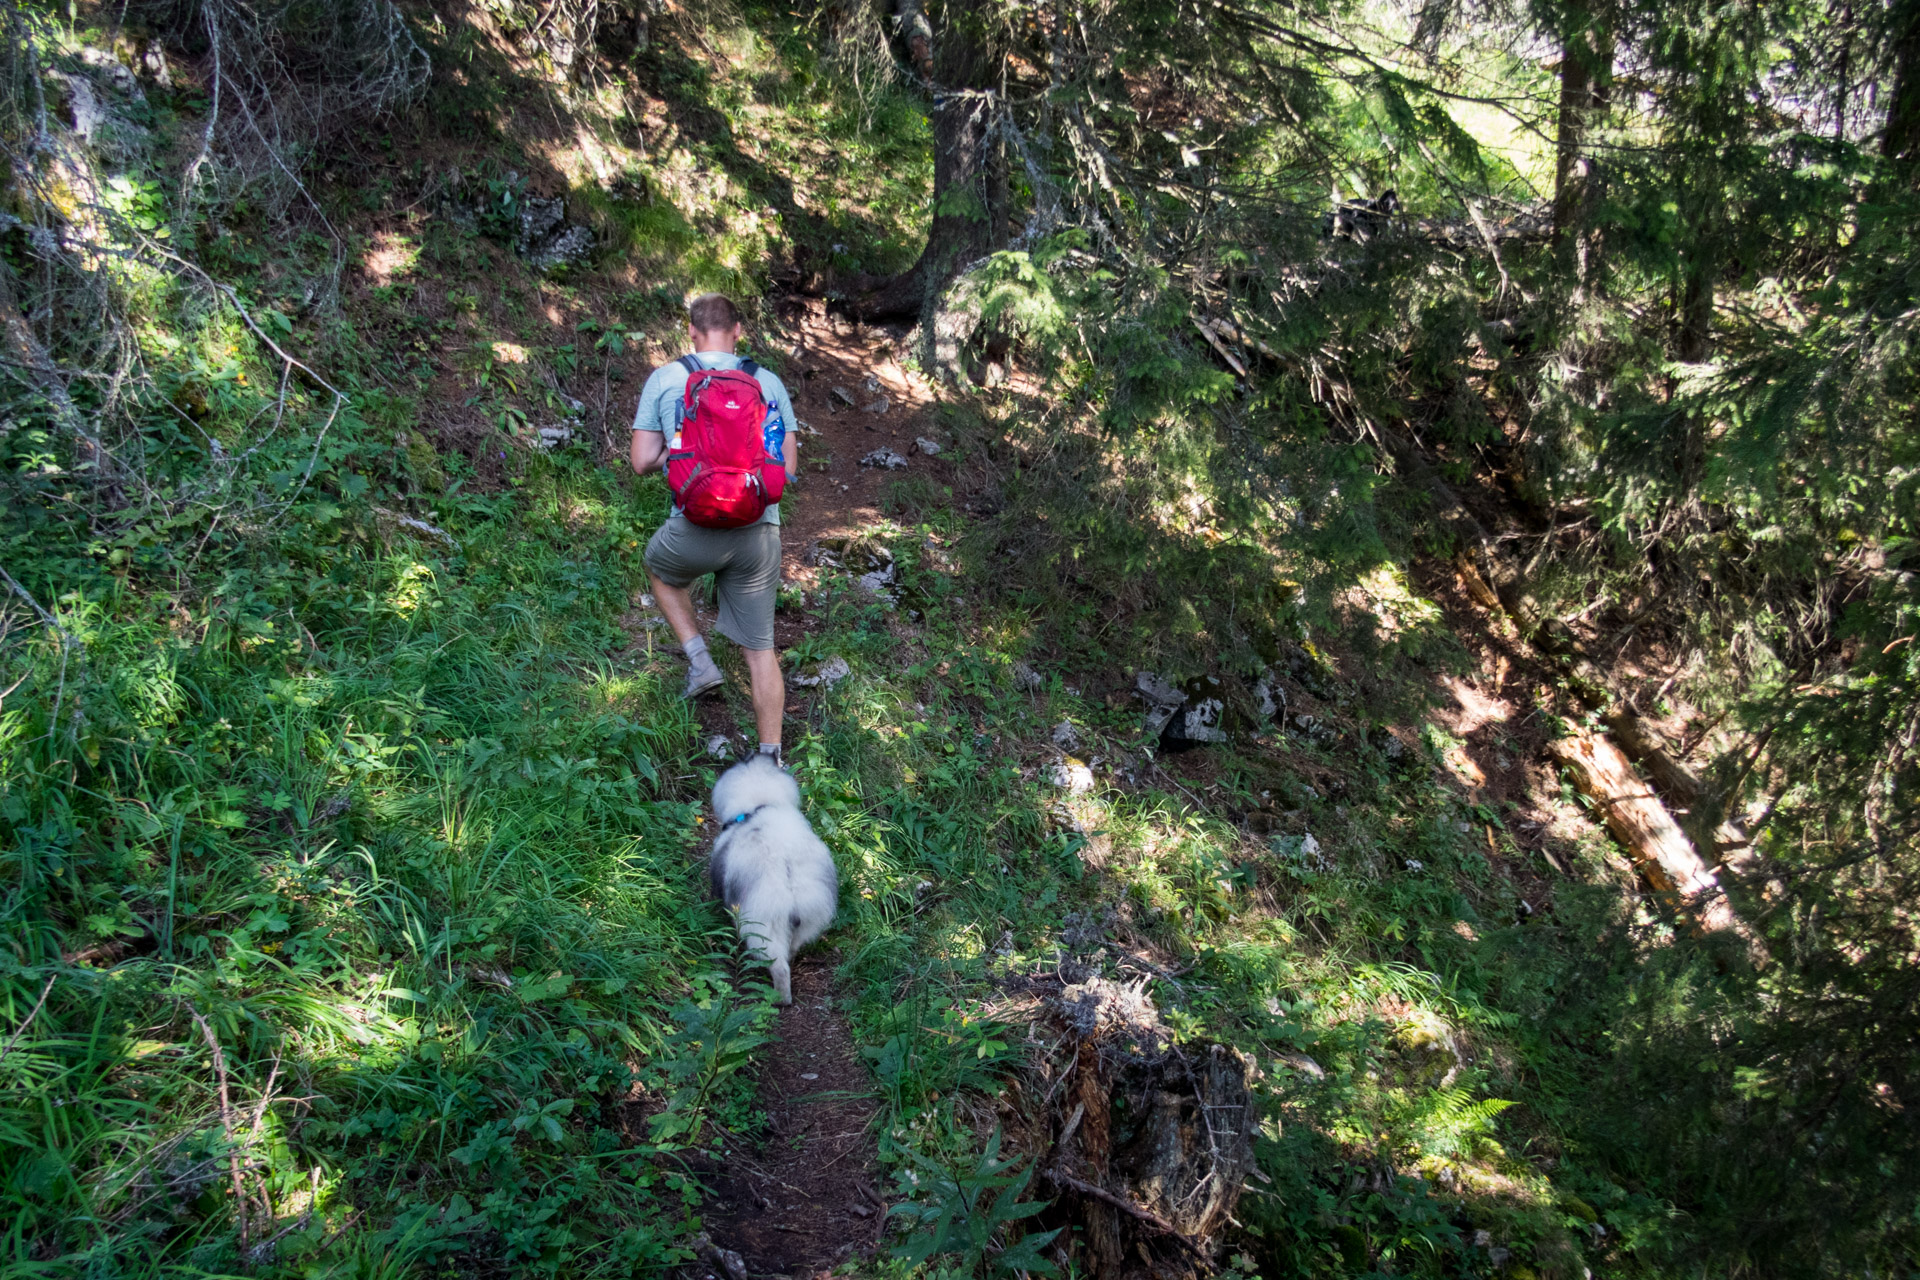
(918, 34)
(1495, 580)
(1642, 824)
(1153, 1220)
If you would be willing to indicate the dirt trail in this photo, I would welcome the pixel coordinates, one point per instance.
(806, 1199)
(845, 498)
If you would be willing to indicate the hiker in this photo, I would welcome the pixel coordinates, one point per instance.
(725, 446)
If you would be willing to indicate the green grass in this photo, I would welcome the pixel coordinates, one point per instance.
(415, 848)
(964, 866)
(363, 871)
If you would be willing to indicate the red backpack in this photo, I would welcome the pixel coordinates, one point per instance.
(723, 475)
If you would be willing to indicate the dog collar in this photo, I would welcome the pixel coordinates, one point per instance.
(742, 817)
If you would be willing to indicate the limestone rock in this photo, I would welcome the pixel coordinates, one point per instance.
(829, 673)
(1071, 775)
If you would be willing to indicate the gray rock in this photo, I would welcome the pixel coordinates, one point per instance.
(111, 71)
(572, 245)
(546, 239)
(886, 459)
(1158, 692)
(1304, 1065)
(1163, 699)
(929, 447)
(843, 395)
(1027, 678)
(878, 405)
(729, 1263)
(1065, 736)
(877, 581)
(872, 383)
(1269, 697)
(719, 747)
(1071, 776)
(1201, 721)
(154, 63)
(830, 672)
(88, 111)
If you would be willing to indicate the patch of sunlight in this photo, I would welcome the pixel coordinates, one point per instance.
(1396, 610)
(610, 691)
(509, 353)
(581, 515)
(155, 696)
(958, 941)
(411, 589)
(1453, 751)
(1497, 131)
(1475, 711)
(391, 256)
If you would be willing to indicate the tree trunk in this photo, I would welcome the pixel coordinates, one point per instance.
(1696, 310)
(967, 76)
(1901, 142)
(1586, 72)
(34, 365)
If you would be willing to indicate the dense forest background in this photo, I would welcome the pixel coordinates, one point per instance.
(1362, 429)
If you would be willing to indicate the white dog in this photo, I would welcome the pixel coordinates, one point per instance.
(769, 867)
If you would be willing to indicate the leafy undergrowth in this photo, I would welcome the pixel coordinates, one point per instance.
(351, 869)
(351, 842)
(369, 868)
(1379, 968)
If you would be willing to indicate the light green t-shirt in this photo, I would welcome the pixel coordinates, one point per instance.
(667, 385)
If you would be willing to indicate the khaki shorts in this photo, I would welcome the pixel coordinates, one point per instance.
(745, 564)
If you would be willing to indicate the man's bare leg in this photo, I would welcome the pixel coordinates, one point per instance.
(677, 604)
(769, 693)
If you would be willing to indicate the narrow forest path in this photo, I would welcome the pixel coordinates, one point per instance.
(807, 1198)
(889, 410)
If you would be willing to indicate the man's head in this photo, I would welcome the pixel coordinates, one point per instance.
(713, 322)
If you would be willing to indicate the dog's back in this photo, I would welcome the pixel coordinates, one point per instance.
(769, 868)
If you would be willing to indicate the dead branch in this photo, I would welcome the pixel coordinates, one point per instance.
(44, 376)
(418, 526)
(1158, 1224)
(191, 178)
(67, 642)
(31, 1015)
(226, 1125)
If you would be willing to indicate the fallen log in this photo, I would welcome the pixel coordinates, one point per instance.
(1637, 819)
(1496, 581)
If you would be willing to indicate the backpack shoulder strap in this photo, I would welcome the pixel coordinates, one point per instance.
(689, 363)
(749, 368)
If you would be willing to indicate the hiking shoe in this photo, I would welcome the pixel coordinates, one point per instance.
(703, 679)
